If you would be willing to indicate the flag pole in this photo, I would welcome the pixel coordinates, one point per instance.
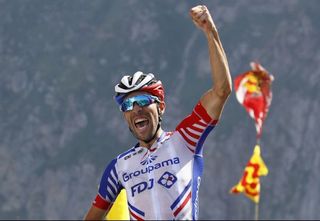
(256, 214)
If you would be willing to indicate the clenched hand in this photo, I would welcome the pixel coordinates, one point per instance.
(201, 17)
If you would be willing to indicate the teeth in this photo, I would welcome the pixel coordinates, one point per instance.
(139, 120)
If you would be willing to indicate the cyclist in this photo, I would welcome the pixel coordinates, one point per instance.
(161, 174)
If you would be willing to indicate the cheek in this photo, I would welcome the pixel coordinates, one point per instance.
(154, 112)
(126, 116)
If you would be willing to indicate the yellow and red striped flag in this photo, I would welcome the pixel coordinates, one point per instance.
(249, 184)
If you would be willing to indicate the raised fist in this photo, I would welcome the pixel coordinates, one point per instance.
(201, 17)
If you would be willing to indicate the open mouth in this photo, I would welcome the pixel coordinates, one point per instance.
(141, 123)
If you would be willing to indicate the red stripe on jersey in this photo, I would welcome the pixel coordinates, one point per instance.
(101, 203)
(202, 124)
(191, 134)
(188, 121)
(187, 139)
(197, 121)
(182, 205)
(196, 128)
(135, 216)
(190, 149)
(199, 109)
(198, 113)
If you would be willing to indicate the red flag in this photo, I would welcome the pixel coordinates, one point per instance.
(253, 91)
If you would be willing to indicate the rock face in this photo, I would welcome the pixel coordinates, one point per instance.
(60, 126)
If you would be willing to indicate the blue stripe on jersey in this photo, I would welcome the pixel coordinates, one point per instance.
(106, 189)
(197, 172)
(125, 153)
(113, 177)
(203, 137)
(111, 188)
(135, 209)
(112, 198)
(128, 151)
(181, 196)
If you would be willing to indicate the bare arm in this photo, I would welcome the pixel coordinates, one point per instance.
(95, 213)
(214, 99)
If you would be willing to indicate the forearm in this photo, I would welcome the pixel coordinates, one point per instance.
(214, 99)
(222, 83)
(96, 213)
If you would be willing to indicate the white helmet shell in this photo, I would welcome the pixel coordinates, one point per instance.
(129, 84)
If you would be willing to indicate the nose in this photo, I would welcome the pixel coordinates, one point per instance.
(136, 107)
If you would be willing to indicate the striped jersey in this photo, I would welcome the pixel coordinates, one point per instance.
(161, 182)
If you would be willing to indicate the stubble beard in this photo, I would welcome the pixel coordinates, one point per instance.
(146, 138)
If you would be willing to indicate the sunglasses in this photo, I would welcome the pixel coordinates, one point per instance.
(141, 100)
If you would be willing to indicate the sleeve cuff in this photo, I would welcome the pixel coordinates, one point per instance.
(101, 203)
(203, 114)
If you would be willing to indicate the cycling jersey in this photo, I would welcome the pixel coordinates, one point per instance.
(161, 182)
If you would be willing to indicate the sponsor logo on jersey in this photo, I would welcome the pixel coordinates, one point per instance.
(167, 180)
(148, 160)
(140, 187)
(127, 176)
(196, 202)
(135, 153)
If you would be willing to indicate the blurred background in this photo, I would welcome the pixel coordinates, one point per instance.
(60, 127)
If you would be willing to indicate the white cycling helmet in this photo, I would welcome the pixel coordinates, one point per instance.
(138, 82)
(129, 84)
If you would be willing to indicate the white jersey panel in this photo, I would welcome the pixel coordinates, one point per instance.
(157, 178)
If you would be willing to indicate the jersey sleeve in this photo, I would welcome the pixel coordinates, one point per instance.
(195, 128)
(109, 187)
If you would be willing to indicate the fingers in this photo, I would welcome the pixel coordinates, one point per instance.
(199, 14)
(201, 17)
(198, 11)
(198, 8)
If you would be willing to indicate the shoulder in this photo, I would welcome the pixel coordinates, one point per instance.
(112, 165)
(195, 127)
(129, 153)
(198, 116)
(126, 153)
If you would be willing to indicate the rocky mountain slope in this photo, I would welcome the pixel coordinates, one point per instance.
(60, 126)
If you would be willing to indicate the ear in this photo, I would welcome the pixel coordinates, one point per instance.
(162, 107)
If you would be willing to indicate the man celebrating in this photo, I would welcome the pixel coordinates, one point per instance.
(161, 174)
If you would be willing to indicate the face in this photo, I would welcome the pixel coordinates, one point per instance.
(143, 121)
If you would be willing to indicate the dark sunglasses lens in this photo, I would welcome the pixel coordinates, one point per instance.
(126, 106)
(141, 100)
(144, 101)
